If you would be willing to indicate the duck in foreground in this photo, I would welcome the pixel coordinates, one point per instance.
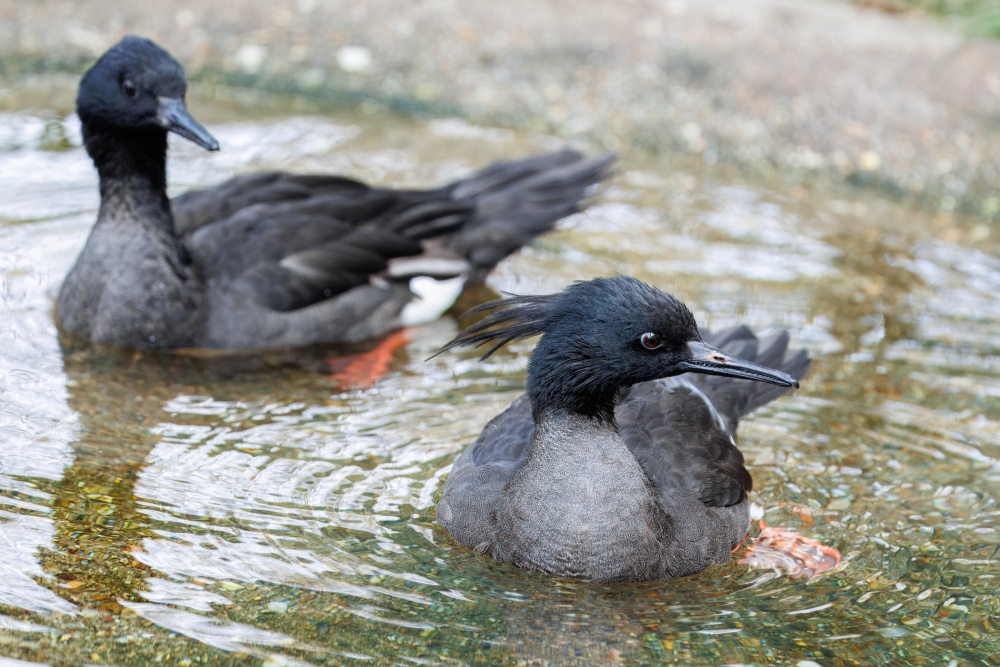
(275, 259)
(611, 467)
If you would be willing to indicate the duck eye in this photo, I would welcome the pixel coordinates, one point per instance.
(128, 87)
(650, 340)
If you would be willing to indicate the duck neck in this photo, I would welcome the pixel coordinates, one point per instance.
(566, 378)
(132, 166)
(564, 437)
(582, 469)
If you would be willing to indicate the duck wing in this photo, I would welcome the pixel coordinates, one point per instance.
(314, 240)
(682, 442)
(197, 208)
(296, 240)
(683, 429)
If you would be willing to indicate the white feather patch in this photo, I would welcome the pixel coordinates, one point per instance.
(432, 299)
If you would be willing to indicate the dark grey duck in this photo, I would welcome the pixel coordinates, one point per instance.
(276, 259)
(611, 467)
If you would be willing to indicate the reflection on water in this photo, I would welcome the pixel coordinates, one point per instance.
(198, 509)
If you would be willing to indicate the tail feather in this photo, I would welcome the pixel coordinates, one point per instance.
(518, 200)
(735, 398)
(501, 175)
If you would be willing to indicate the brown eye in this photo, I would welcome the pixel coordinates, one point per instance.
(129, 88)
(650, 340)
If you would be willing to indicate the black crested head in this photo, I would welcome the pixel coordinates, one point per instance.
(591, 344)
(138, 88)
(599, 336)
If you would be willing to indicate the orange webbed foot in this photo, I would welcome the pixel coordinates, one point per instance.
(787, 551)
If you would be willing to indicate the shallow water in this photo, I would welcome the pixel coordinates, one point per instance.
(261, 510)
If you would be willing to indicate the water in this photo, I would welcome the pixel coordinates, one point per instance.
(259, 510)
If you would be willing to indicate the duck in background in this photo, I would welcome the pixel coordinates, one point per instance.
(276, 260)
(614, 466)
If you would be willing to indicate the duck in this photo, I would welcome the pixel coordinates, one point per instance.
(620, 462)
(276, 259)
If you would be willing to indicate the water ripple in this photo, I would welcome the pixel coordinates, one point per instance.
(268, 511)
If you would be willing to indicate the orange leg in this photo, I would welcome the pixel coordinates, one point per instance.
(360, 371)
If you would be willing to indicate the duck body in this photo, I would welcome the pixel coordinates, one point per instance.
(654, 489)
(605, 525)
(276, 259)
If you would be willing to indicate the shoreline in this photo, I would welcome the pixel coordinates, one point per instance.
(809, 92)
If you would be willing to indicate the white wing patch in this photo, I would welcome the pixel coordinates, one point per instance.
(432, 299)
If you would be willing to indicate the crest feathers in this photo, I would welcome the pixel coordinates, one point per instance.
(511, 319)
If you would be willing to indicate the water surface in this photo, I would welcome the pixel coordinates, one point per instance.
(262, 510)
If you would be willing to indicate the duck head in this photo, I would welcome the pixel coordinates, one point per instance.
(601, 335)
(137, 86)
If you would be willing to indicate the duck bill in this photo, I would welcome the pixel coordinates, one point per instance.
(713, 361)
(173, 116)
